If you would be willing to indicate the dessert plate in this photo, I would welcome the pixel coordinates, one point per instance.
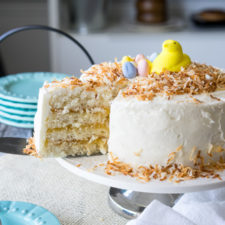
(24, 87)
(20, 111)
(87, 170)
(16, 123)
(20, 213)
(17, 117)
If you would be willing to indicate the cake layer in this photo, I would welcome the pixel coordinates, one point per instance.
(59, 119)
(147, 132)
(80, 99)
(80, 133)
(74, 148)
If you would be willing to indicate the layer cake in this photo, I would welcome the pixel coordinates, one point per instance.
(162, 111)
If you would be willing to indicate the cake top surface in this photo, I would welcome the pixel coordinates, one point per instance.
(104, 74)
(167, 74)
(193, 80)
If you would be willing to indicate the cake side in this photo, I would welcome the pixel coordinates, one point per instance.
(144, 133)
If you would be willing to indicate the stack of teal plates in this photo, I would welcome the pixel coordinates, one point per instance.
(19, 96)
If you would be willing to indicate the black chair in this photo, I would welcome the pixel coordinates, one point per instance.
(40, 27)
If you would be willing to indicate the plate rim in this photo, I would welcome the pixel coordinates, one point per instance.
(18, 105)
(149, 187)
(17, 117)
(9, 203)
(19, 75)
(17, 111)
(16, 124)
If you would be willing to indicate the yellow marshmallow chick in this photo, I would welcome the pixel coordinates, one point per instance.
(126, 59)
(171, 58)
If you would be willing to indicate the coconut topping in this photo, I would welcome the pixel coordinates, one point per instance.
(195, 79)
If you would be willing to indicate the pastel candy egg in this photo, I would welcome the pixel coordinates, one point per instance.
(126, 59)
(139, 57)
(153, 56)
(129, 70)
(143, 68)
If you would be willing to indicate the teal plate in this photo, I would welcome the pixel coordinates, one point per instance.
(17, 117)
(16, 123)
(24, 87)
(20, 111)
(18, 105)
(20, 213)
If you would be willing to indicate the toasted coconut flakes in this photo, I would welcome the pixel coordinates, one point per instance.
(192, 153)
(217, 176)
(138, 153)
(196, 100)
(101, 164)
(179, 148)
(172, 172)
(213, 97)
(210, 150)
(192, 80)
(30, 148)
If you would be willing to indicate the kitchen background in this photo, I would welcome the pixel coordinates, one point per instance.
(112, 31)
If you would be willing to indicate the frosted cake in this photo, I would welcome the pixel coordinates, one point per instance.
(150, 114)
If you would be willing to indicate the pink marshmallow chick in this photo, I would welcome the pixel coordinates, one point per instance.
(139, 57)
(143, 68)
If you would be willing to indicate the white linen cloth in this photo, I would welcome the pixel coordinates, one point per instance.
(198, 208)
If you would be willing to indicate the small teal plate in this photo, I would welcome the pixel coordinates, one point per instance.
(16, 123)
(19, 111)
(24, 87)
(16, 116)
(21, 213)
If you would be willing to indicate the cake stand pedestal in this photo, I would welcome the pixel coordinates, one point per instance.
(130, 204)
(128, 196)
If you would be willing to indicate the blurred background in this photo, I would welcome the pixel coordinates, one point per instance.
(108, 29)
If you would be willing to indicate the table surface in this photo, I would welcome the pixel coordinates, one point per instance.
(72, 199)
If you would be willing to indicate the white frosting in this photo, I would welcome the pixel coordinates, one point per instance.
(145, 132)
(40, 119)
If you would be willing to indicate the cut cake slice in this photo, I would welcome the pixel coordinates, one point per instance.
(73, 114)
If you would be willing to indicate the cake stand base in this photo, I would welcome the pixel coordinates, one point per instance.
(130, 204)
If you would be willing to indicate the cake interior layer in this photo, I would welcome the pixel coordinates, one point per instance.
(83, 132)
(76, 119)
(75, 147)
(79, 98)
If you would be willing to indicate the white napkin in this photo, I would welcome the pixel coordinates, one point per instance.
(198, 208)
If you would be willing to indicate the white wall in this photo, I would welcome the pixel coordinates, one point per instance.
(204, 47)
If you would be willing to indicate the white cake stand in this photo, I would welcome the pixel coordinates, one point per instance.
(128, 196)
